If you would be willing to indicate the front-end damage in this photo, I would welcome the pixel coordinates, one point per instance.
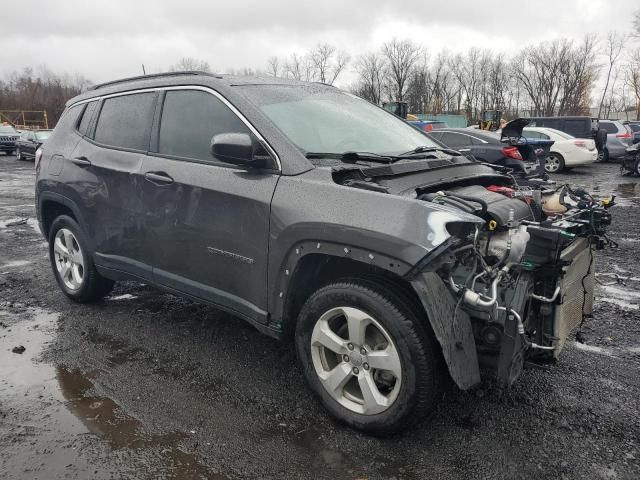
(511, 289)
(509, 286)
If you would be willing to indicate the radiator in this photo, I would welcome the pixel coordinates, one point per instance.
(574, 303)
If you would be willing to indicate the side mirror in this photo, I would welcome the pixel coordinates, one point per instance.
(238, 149)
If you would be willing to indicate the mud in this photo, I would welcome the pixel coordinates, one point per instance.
(148, 385)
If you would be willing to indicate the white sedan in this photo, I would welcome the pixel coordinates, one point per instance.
(567, 151)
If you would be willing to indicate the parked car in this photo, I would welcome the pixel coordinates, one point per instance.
(29, 141)
(631, 160)
(428, 125)
(566, 151)
(389, 261)
(635, 131)
(8, 138)
(579, 127)
(489, 147)
(619, 138)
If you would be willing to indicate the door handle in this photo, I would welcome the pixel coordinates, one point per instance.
(158, 177)
(81, 161)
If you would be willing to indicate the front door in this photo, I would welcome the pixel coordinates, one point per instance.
(207, 222)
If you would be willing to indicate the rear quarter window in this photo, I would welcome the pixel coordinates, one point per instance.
(125, 121)
(87, 115)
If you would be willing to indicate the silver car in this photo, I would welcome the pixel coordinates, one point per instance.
(619, 138)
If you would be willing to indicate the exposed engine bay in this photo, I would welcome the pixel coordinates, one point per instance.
(523, 278)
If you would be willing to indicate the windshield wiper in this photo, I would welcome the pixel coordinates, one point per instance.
(352, 156)
(426, 149)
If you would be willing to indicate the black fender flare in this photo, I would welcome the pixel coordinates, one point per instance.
(46, 196)
(281, 285)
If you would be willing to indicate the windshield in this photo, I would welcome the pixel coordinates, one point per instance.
(321, 119)
(42, 135)
(7, 129)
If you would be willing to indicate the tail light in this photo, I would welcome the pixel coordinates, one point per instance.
(511, 152)
(38, 157)
(623, 135)
(580, 143)
(427, 127)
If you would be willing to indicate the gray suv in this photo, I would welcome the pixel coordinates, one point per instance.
(393, 264)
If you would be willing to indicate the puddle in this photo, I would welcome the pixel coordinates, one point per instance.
(53, 408)
(627, 194)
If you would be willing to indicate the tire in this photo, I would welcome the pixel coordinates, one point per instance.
(19, 154)
(605, 156)
(74, 270)
(636, 166)
(392, 325)
(554, 163)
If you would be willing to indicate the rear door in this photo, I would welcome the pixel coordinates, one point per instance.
(206, 222)
(106, 165)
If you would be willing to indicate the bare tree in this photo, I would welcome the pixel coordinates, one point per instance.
(294, 66)
(632, 77)
(636, 23)
(40, 89)
(190, 63)
(370, 68)
(401, 57)
(327, 62)
(613, 50)
(273, 66)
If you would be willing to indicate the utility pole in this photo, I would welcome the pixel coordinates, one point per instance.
(143, 70)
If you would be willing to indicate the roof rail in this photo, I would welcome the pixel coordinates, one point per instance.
(151, 75)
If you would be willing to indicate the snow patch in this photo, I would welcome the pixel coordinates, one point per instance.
(125, 296)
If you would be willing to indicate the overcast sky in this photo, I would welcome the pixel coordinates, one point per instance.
(109, 39)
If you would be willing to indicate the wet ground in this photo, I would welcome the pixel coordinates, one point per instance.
(147, 385)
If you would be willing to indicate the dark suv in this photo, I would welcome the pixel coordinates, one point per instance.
(390, 261)
(8, 138)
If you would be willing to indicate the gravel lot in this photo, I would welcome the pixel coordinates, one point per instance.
(148, 385)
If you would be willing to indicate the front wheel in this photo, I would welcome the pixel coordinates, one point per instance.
(554, 163)
(19, 154)
(72, 264)
(368, 357)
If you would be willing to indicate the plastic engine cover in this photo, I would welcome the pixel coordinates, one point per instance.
(499, 205)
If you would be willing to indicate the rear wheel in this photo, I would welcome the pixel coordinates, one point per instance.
(368, 357)
(636, 166)
(72, 264)
(554, 163)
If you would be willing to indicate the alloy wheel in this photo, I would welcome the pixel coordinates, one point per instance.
(18, 154)
(552, 164)
(356, 360)
(68, 259)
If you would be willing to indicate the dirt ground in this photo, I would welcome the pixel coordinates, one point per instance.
(148, 385)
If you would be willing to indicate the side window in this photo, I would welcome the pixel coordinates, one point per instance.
(86, 117)
(190, 118)
(552, 123)
(532, 134)
(456, 140)
(609, 127)
(125, 121)
(576, 127)
(476, 141)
